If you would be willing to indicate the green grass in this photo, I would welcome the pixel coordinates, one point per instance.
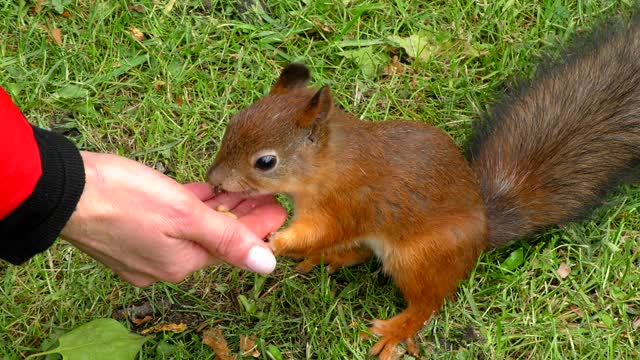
(165, 101)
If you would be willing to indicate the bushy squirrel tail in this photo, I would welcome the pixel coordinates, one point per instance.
(548, 153)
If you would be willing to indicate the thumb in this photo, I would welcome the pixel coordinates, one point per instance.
(227, 239)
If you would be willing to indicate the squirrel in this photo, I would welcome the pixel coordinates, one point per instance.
(545, 154)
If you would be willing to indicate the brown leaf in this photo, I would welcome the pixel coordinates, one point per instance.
(141, 321)
(137, 34)
(600, 325)
(576, 310)
(394, 67)
(66, 14)
(55, 35)
(322, 26)
(158, 84)
(204, 324)
(137, 8)
(215, 340)
(175, 328)
(201, 327)
(636, 323)
(563, 270)
(248, 346)
(179, 100)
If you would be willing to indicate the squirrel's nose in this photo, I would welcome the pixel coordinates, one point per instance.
(213, 176)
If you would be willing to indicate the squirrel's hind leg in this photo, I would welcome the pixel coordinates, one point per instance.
(426, 268)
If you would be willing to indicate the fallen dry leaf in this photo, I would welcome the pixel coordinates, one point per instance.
(215, 340)
(137, 34)
(178, 100)
(141, 321)
(322, 26)
(202, 326)
(55, 35)
(175, 328)
(394, 67)
(563, 270)
(576, 310)
(636, 323)
(66, 14)
(137, 8)
(158, 84)
(600, 325)
(248, 346)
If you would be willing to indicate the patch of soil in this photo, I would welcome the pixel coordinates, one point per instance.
(145, 314)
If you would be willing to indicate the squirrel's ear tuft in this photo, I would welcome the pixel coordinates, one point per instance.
(317, 110)
(292, 76)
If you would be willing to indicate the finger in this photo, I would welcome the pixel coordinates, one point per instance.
(137, 280)
(201, 190)
(250, 205)
(229, 200)
(264, 219)
(189, 259)
(228, 240)
(241, 207)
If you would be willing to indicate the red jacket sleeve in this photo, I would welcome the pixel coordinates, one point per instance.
(20, 165)
(41, 181)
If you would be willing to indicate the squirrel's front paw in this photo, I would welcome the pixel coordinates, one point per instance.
(268, 239)
(282, 243)
(275, 242)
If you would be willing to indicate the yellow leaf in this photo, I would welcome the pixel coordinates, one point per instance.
(176, 328)
(137, 34)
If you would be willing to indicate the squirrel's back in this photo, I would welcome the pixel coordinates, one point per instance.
(548, 153)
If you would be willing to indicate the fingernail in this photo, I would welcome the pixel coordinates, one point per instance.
(261, 260)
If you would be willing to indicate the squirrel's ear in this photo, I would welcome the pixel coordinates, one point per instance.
(317, 111)
(292, 76)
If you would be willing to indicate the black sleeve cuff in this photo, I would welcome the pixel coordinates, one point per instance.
(34, 225)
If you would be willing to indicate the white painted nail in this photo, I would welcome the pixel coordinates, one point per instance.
(261, 260)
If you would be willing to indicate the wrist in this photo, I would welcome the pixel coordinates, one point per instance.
(74, 228)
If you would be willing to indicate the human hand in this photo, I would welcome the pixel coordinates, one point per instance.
(146, 227)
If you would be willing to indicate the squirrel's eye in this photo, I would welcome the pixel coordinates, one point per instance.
(266, 162)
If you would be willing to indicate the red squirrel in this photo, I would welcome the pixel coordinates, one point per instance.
(402, 191)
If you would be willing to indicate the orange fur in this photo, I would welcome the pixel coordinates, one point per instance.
(335, 258)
